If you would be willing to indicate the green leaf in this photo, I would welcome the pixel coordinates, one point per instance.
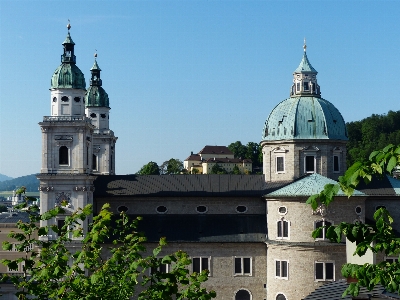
(391, 164)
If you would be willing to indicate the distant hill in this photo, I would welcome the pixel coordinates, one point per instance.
(29, 181)
(4, 177)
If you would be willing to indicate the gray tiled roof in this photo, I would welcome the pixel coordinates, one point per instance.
(183, 185)
(14, 217)
(204, 228)
(334, 291)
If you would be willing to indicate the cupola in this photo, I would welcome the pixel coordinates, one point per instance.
(96, 95)
(68, 75)
(305, 78)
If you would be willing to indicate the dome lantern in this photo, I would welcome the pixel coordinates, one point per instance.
(305, 78)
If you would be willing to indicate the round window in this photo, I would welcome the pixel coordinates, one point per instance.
(64, 99)
(358, 210)
(93, 115)
(77, 99)
(201, 209)
(122, 208)
(55, 99)
(241, 209)
(282, 210)
(161, 209)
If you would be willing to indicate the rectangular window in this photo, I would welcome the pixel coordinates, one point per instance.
(280, 164)
(306, 86)
(282, 229)
(336, 168)
(60, 225)
(322, 233)
(200, 264)
(298, 86)
(242, 266)
(324, 271)
(392, 259)
(281, 269)
(310, 164)
(163, 268)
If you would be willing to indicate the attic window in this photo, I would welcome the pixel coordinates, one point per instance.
(93, 115)
(241, 209)
(103, 115)
(64, 99)
(161, 209)
(122, 208)
(77, 99)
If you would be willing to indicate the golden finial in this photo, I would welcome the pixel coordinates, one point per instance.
(69, 25)
(305, 45)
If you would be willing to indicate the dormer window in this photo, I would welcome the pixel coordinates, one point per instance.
(298, 87)
(306, 86)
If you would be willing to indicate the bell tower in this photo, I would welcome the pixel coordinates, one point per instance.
(98, 110)
(67, 142)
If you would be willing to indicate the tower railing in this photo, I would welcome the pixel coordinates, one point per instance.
(64, 118)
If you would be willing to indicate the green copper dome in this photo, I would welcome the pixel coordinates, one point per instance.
(304, 118)
(96, 96)
(68, 76)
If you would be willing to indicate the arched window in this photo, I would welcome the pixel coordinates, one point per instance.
(243, 295)
(280, 297)
(63, 155)
(282, 229)
(322, 223)
(94, 162)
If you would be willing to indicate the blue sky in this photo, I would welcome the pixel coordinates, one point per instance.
(184, 74)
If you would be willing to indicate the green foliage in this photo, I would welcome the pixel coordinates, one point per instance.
(151, 168)
(67, 269)
(251, 151)
(374, 132)
(3, 208)
(29, 181)
(217, 169)
(236, 170)
(171, 166)
(377, 237)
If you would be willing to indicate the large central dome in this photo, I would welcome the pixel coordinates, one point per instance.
(305, 115)
(304, 118)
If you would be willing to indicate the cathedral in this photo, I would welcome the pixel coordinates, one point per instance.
(252, 232)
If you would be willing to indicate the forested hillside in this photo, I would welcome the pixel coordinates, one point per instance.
(29, 181)
(372, 133)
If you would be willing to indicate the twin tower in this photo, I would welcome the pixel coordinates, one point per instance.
(77, 144)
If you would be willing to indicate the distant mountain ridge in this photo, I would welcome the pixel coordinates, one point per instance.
(29, 181)
(5, 177)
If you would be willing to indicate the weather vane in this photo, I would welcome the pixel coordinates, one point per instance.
(305, 45)
(95, 53)
(69, 25)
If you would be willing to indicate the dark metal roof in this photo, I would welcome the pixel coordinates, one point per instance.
(204, 228)
(334, 291)
(216, 150)
(379, 186)
(183, 185)
(14, 217)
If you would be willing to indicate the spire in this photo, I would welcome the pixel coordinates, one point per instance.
(305, 78)
(68, 56)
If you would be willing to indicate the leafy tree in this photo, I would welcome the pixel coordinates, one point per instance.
(253, 152)
(236, 170)
(82, 272)
(149, 169)
(171, 166)
(377, 237)
(217, 169)
(195, 171)
(238, 149)
(3, 208)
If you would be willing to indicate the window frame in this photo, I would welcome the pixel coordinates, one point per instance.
(283, 164)
(305, 163)
(167, 269)
(335, 155)
(242, 273)
(324, 263)
(323, 229)
(282, 229)
(393, 258)
(67, 155)
(280, 261)
(201, 264)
